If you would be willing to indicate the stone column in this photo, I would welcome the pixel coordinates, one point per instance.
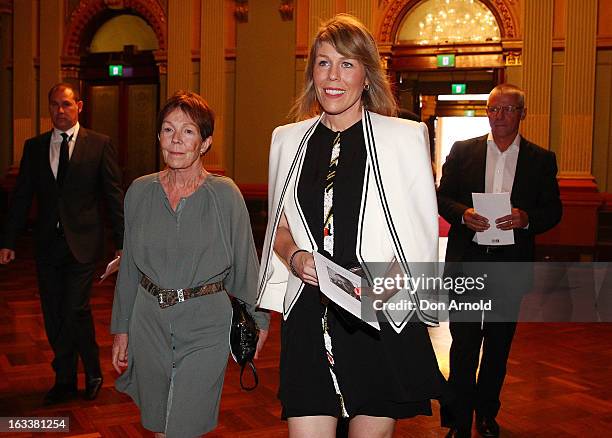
(319, 11)
(179, 45)
(51, 36)
(24, 74)
(579, 89)
(581, 200)
(362, 9)
(537, 69)
(212, 75)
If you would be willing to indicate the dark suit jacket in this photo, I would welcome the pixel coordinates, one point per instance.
(535, 190)
(92, 174)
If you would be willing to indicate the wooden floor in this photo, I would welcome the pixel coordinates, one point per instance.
(559, 381)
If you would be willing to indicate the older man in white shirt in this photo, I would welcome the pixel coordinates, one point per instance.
(501, 161)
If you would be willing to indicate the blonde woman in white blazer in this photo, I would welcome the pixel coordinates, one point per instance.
(354, 184)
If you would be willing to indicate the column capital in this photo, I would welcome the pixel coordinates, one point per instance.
(161, 60)
(286, 10)
(70, 67)
(241, 11)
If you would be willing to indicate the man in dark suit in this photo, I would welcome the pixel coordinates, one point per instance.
(67, 170)
(501, 161)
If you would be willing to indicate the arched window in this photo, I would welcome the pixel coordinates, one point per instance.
(438, 22)
(123, 30)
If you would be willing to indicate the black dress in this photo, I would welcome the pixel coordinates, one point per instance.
(381, 374)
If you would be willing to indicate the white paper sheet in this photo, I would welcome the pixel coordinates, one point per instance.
(493, 206)
(341, 286)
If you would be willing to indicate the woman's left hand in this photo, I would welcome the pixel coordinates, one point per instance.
(263, 335)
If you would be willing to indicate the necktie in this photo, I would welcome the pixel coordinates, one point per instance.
(328, 245)
(328, 199)
(62, 166)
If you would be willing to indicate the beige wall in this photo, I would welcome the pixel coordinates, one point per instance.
(263, 73)
(180, 46)
(265, 66)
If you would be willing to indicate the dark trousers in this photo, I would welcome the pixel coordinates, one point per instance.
(506, 281)
(482, 394)
(65, 288)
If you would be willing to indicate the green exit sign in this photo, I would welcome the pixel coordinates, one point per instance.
(115, 70)
(458, 88)
(470, 113)
(447, 60)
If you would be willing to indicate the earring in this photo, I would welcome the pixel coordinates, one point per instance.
(366, 87)
(201, 152)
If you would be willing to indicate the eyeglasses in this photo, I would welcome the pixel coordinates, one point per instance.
(510, 109)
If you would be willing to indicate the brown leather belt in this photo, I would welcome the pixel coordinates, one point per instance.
(170, 297)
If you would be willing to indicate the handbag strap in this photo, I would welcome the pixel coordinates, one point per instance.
(255, 378)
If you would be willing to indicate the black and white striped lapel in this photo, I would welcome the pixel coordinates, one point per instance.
(396, 242)
(296, 162)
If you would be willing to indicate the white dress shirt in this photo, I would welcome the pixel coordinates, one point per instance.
(56, 143)
(501, 166)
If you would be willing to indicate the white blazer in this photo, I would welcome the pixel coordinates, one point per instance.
(398, 218)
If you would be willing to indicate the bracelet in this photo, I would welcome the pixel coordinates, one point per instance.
(291, 267)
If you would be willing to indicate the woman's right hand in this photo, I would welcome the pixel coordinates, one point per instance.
(120, 354)
(304, 265)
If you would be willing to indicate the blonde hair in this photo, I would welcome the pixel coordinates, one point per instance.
(352, 39)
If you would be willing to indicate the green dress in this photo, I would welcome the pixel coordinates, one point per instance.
(177, 356)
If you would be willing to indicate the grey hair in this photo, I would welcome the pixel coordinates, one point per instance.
(510, 89)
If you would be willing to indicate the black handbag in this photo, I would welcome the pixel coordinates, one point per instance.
(244, 335)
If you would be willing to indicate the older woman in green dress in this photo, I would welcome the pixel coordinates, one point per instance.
(187, 240)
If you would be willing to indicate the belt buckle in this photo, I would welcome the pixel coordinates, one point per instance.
(180, 295)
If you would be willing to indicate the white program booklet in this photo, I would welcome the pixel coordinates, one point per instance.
(341, 286)
(493, 206)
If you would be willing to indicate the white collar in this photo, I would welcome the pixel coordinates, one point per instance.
(514, 146)
(72, 132)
